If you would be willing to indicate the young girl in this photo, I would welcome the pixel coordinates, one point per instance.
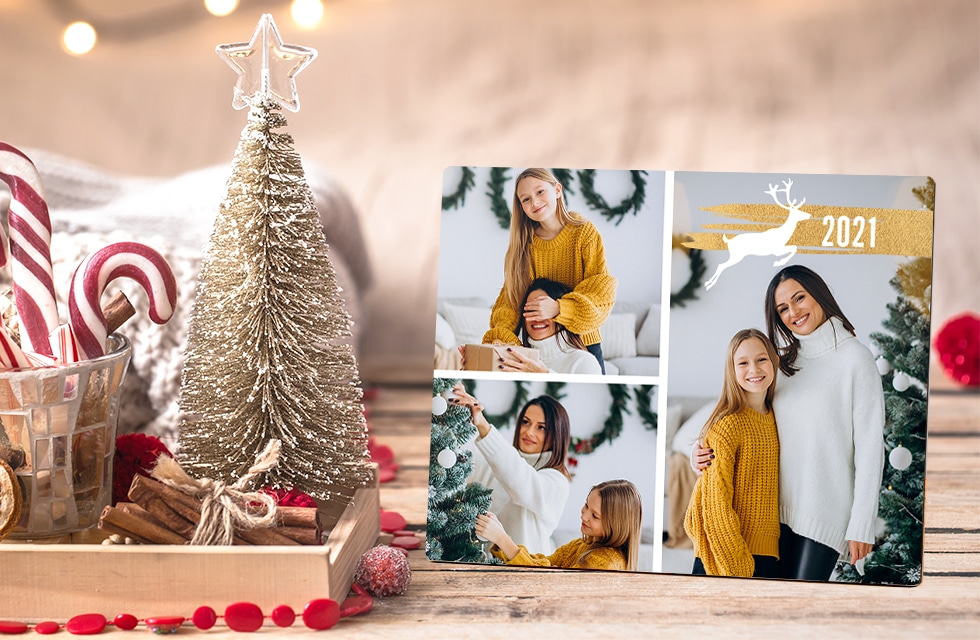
(528, 478)
(733, 517)
(548, 241)
(611, 519)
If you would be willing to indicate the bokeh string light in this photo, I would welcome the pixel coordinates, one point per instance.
(90, 22)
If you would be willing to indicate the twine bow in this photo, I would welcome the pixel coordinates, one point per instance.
(224, 508)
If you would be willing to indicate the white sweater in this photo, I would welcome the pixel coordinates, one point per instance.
(830, 416)
(561, 358)
(528, 500)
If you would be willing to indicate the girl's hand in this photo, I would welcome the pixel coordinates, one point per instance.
(541, 308)
(857, 550)
(522, 363)
(701, 457)
(463, 399)
(487, 526)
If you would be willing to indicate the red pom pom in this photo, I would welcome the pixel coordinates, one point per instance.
(958, 346)
(136, 453)
(383, 571)
(291, 498)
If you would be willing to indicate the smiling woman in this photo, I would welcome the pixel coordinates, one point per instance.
(528, 479)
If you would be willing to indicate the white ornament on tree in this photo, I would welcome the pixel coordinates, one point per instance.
(439, 405)
(900, 458)
(884, 367)
(900, 382)
(446, 458)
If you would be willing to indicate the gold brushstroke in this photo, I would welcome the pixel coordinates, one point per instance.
(900, 232)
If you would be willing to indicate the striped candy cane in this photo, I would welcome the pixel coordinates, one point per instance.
(119, 260)
(30, 248)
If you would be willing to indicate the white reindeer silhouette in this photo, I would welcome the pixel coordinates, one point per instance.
(771, 242)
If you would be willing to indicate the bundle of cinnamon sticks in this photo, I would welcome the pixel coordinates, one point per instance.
(161, 514)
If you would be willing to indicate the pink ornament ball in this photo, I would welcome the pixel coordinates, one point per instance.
(383, 571)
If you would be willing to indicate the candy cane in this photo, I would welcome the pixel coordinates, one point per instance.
(30, 248)
(121, 259)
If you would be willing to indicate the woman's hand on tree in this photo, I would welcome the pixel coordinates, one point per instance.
(858, 550)
(541, 308)
(522, 363)
(463, 399)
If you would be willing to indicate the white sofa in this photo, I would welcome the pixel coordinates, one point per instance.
(630, 336)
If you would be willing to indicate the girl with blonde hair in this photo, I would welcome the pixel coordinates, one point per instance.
(733, 516)
(611, 519)
(549, 241)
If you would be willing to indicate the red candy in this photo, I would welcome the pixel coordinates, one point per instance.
(320, 614)
(12, 627)
(380, 453)
(392, 521)
(355, 605)
(204, 618)
(283, 616)
(386, 474)
(87, 624)
(403, 532)
(47, 628)
(243, 616)
(406, 542)
(125, 621)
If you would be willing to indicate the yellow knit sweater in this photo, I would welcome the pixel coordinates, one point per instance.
(734, 510)
(567, 557)
(576, 258)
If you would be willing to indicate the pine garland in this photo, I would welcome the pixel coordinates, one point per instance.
(598, 203)
(611, 428)
(498, 204)
(565, 177)
(644, 399)
(458, 197)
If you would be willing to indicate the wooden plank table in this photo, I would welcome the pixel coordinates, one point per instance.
(453, 600)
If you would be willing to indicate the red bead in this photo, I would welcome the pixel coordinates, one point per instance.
(283, 616)
(125, 621)
(244, 616)
(320, 614)
(355, 605)
(164, 624)
(386, 474)
(47, 628)
(406, 542)
(204, 618)
(87, 624)
(12, 627)
(392, 521)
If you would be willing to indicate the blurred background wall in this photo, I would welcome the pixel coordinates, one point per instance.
(403, 89)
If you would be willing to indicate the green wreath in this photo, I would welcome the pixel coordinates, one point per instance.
(598, 203)
(698, 267)
(458, 197)
(611, 428)
(644, 399)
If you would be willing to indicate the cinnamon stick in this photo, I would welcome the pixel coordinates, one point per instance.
(189, 508)
(132, 523)
(117, 311)
(307, 517)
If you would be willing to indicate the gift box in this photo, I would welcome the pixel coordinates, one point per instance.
(486, 357)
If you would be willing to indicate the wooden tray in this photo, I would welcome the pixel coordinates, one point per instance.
(57, 581)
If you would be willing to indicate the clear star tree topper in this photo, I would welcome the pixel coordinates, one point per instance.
(267, 351)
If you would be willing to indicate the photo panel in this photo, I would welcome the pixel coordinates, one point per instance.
(568, 470)
(596, 235)
(849, 411)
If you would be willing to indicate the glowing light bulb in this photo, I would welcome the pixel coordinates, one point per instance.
(220, 7)
(78, 38)
(307, 13)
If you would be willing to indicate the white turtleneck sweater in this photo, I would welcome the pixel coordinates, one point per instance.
(527, 499)
(830, 416)
(562, 358)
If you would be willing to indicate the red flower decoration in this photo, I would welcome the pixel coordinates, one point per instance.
(290, 498)
(136, 453)
(958, 346)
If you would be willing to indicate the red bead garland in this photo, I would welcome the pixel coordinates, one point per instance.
(318, 614)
